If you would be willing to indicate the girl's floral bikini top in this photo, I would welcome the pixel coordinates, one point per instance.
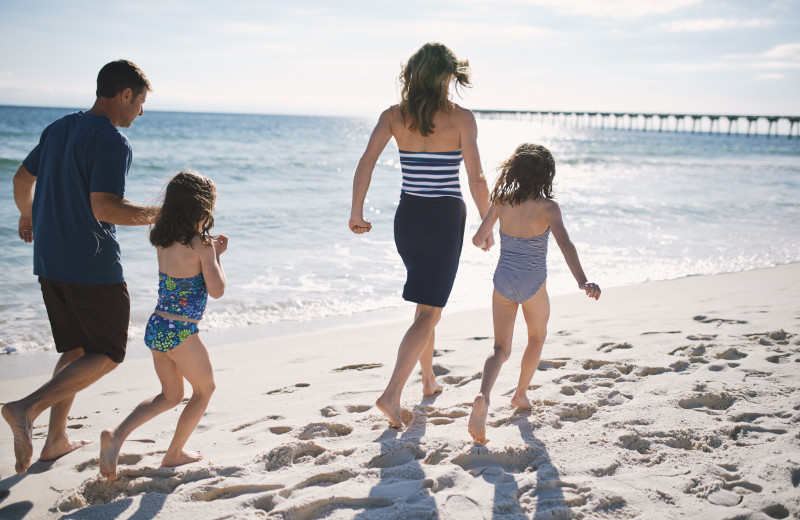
(185, 297)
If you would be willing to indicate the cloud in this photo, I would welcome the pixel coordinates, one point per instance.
(781, 57)
(615, 8)
(769, 76)
(713, 24)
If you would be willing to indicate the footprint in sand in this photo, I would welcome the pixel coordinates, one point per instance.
(360, 367)
(609, 346)
(459, 381)
(292, 453)
(214, 492)
(322, 479)
(323, 429)
(257, 421)
(718, 321)
(549, 364)
(401, 453)
(288, 389)
(709, 401)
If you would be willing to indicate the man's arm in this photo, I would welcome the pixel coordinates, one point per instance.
(23, 196)
(111, 208)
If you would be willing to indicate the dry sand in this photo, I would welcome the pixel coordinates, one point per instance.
(674, 399)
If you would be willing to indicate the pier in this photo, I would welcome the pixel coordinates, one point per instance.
(705, 123)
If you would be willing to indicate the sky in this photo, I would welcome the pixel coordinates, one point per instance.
(343, 57)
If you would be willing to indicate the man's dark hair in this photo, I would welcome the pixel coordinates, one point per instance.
(118, 75)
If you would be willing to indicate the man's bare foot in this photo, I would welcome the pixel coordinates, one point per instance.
(521, 402)
(23, 440)
(184, 457)
(109, 453)
(477, 420)
(392, 412)
(431, 387)
(54, 450)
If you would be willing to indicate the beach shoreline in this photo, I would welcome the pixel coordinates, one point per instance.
(662, 399)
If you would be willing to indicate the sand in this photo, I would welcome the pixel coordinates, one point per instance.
(674, 399)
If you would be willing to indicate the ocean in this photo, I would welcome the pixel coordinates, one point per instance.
(640, 206)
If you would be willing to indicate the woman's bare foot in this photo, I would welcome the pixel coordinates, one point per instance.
(23, 440)
(109, 453)
(431, 387)
(184, 457)
(477, 420)
(54, 450)
(391, 411)
(521, 402)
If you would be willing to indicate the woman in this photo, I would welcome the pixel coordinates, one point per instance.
(433, 135)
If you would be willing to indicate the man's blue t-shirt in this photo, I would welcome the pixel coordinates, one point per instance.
(79, 154)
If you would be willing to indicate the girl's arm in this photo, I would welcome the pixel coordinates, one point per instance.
(377, 142)
(484, 237)
(472, 162)
(211, 266)
(556, 223)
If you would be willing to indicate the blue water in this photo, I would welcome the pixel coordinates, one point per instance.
(639, 206)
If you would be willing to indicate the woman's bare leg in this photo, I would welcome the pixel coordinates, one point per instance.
(536, 312)
(429, 384)
(504, 313)
(411, 348)
(171, 395)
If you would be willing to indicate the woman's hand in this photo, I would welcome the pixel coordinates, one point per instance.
(592, 289)
(483, 241)
(359, 225)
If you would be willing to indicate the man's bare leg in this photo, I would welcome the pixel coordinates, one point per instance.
(57, 443)
(65, 383)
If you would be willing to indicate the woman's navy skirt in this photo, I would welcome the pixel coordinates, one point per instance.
(429, 234)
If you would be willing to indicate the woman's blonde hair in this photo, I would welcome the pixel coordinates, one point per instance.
(527, 174)
(425, 79)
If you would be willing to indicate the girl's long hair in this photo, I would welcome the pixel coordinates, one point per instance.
(527, 174)
(425, 79)
(188, 201)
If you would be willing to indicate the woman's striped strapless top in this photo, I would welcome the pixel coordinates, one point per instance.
(431, 174)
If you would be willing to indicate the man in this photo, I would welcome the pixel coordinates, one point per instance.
(70, 194)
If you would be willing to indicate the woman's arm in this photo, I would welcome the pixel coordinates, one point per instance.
(210, 264)
(472, 162)
(484, 235)
(377, 142)
(556, 223)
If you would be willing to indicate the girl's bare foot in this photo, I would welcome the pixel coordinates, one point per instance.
(56, 449)
(23, 440)
(477, 420)
(521, 402)
(431, 387)
(109, 453)
(391, 411)
(184, 457)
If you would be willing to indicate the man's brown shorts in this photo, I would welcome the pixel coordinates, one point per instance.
(92, 317)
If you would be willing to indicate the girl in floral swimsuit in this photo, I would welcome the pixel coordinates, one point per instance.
(189, 271)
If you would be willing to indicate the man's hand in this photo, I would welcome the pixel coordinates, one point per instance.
(26, 229)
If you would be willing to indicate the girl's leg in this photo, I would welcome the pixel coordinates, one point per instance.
(411, 348)
(171, 394)
(504, 312)
(429, 384)
(536, 312)
(191, 360)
